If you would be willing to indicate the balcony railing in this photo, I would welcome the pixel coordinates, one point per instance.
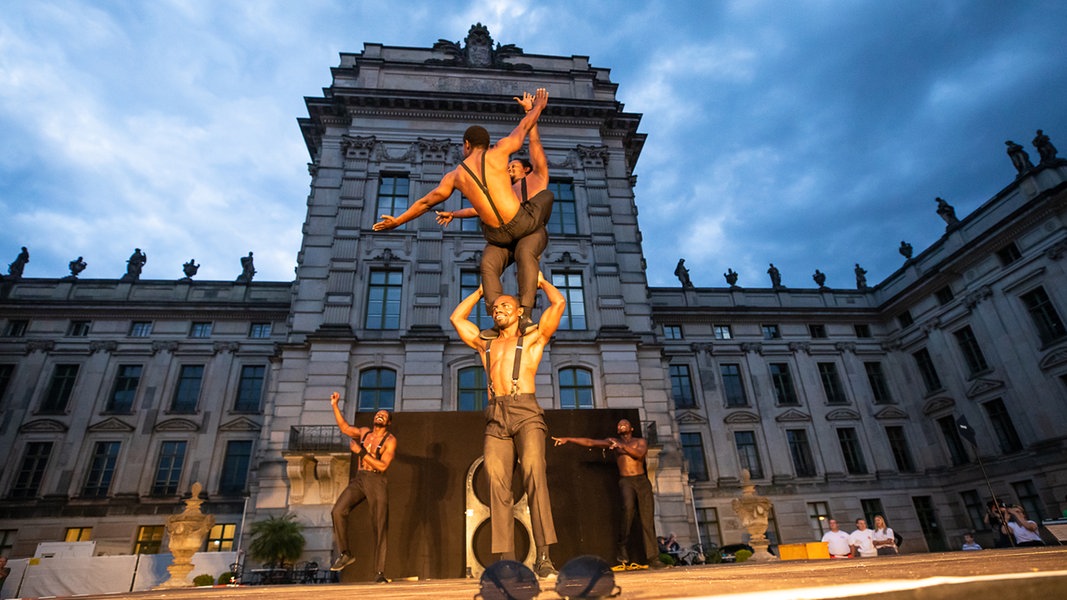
(316, 438)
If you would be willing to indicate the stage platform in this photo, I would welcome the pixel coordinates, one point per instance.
(1013, 574)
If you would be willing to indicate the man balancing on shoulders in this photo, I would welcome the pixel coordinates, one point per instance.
(514, 421)
(374, 448)
(513, 230)
(635, 488)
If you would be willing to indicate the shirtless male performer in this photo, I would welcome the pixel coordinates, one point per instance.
(514, 421)
(635, 488)
(529, 181)
(513, 230)
(374, 448)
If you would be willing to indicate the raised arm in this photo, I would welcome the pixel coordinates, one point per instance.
(587, 442)
(513, 142)
(346, 428)
(467, 330)
(421, 206)
(552, 315)
(537, 152)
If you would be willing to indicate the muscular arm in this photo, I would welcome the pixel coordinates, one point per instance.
(346, 428)
(636, 449)
(445, 217)
(537, 155)
(552, 315)
(513, 142)
(587, 442)
(421, 206)
(388, 452)
(467, 330)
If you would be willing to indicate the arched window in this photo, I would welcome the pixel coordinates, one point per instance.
(377, 389)
(575, 388)
(471, 392)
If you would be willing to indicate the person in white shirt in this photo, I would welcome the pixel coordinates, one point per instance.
(837, 541)
(862, 540)
(1022, 529)
(885, 541)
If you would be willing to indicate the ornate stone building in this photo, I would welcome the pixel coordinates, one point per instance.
(116, 396)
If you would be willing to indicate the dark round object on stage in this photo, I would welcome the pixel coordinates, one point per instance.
(586, 577)
(482, 541)
(508, 580)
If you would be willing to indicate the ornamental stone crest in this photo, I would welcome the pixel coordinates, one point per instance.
(477, 51)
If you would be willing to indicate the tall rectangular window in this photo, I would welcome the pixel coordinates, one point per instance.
(972, 502)
(898, 444)
(951, 433)
(221, 537)
(235, 463)
(879, 384)
(250, 388)
(1044, 315)
(710, 530)
(149, 539)
(722, 332)
(31, 471)
(570, 285)
(7, 372)
(682, 387)
(784, 391)
(59, 389)
(392, 194)
(575, 388)
(925, 364)
(800, 451)
(187, 392)
(78, 328)
(377, 389)
(733, 387)
(819, 517)
(831, 383)
(468, 283)
(472, 391)
(972, 353)
(384, 293)
(748, 453)
(944, 295)
(1009, 254)
(1029, 499)
(169, 468)
(101, 469)
(260, 330)
(564, 219)
(693, 451)
(871, 507)
(905, 319)
(1000, 419)
(123, 392)
(851, 451)
(140, 329)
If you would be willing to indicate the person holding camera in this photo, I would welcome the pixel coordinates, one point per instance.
(993, 519)
(1023, 530)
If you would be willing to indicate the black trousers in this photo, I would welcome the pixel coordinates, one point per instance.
(372, 488)
(520, 241)
(636, 493)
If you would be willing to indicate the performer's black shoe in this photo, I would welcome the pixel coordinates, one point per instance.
(545, 569)
(489, 334)
(381, 578)
(526, 325)
(342, 561)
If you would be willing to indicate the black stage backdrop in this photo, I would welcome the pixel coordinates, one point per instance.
(427, 494)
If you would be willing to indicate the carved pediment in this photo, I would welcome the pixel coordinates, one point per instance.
(112, 424)
(177, 424)
(938, 404)
(842, 414)
(240, 424)
(741, 416)
(44, 426)
(891, 412)
(690, 418)
(981, 386)
(793, 415)
(1054, 359)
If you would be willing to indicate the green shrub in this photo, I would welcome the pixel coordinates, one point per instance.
(742, 555)
(203, 579)
(712, 557)
(226, 578)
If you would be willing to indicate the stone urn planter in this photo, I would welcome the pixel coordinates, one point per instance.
(187, 531)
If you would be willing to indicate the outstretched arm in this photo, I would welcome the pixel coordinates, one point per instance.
(513, 142)
(421, 206)
(467, 330)
(346, 428)
(587, 442)
(552, 315)
(445, 217)
(537, 151)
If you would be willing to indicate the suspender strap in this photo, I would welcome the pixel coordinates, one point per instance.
(484, 188)
(524, 195)
(514, 370)
(381, 442)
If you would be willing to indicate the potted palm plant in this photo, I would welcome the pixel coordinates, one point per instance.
(277, 542)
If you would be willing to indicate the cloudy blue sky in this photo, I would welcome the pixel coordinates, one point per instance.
(811, 134)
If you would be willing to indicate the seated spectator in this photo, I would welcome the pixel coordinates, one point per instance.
(837, 541)
(969, 543)
(885, 542)
(673, 548)
(862, 540)
(1023, 530)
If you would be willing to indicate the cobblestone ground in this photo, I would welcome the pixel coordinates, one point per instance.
(1000, 574)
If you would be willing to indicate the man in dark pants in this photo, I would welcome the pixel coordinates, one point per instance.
(514, 421)
(374, 448)
(513, 230)
(636, 490)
